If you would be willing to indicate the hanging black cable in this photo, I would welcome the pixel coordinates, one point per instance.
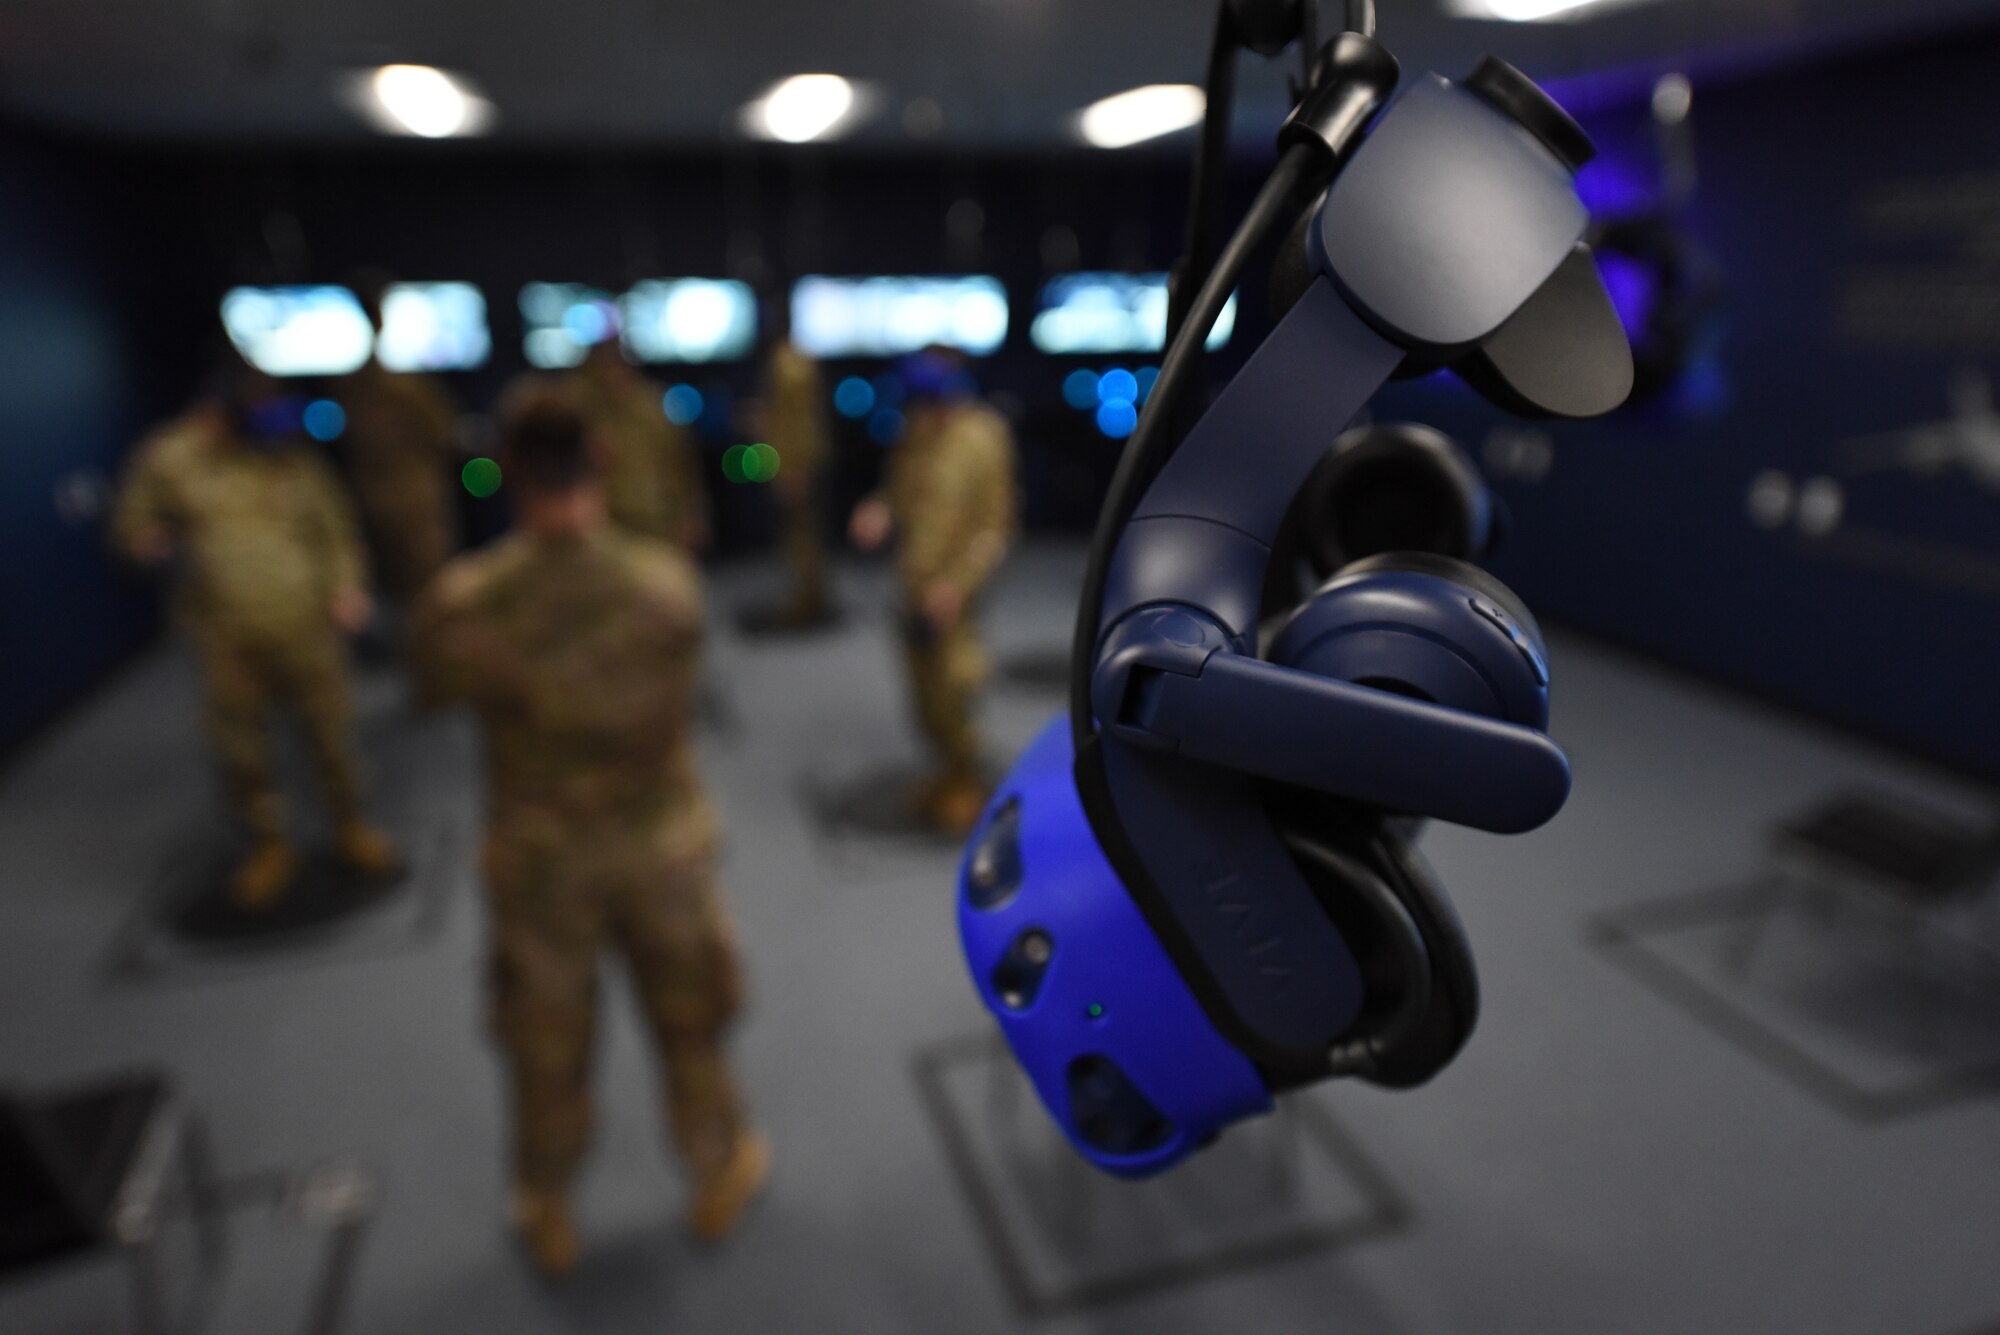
(1206, 190)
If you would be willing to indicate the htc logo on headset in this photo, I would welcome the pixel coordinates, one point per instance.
(1241, 917)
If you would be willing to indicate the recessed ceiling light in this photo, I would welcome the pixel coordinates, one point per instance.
(803, 108)
(1530, 11)
(419, 100)
(1139, 114)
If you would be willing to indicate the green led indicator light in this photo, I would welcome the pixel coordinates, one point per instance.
(481, 477)
(1094, 1010)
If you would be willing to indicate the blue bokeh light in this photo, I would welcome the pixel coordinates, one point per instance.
(1117, 385)
(325, 420)
(683, 404)
(1117, 418)
(1634, 289)
(854, 397)
(885, 427)
(587, 322)
(1612, 186)
(1080, 390)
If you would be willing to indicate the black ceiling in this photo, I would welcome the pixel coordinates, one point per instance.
(1004, 72)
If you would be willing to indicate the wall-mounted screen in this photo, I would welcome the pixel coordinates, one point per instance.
(888, 317)
(433, 327)
(563, 321)
(298, 330)
(1087, 314)
(689, 320)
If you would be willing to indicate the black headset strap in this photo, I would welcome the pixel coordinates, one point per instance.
(1152, 445)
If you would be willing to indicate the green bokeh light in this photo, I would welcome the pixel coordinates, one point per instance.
(750, 463)
(1095, 1010)
(481, 477)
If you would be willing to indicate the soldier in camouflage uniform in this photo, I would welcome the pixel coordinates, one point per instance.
(272, 574)
(652, 474)
(577, 642)
(401, 441)
(794, 423)
(949, 497)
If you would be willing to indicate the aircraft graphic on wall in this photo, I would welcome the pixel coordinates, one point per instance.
(1968, 439)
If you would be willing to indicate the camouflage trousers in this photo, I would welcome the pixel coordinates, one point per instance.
(946, 669)
(558, 906)
(245, 678)
(805, 554)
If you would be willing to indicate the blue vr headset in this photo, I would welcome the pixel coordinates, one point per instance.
(1200, 889)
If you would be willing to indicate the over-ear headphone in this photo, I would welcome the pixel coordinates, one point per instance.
(1201, 888)
(1395, 487)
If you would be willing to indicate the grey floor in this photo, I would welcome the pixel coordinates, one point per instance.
(1605, 1157)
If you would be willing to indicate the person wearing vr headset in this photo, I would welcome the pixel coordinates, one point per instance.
(791, 415)
(271, 576)
(652, 474)
(578, 644)
(949, 498)
(401, 441)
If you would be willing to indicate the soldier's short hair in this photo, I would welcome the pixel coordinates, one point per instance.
(545, 440)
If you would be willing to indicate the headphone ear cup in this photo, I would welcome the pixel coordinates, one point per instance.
(1476, 579)
(1378, 889)
(1392, 487)
(1425, 626)
(1454, 1008)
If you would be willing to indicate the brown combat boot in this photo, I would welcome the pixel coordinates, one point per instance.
(803, 612)
(953, 802)
(264, 873)
(719, 1202)
(366, 851)
(547, 1228)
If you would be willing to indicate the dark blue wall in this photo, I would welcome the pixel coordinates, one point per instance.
(1831, 200)
(81, 372)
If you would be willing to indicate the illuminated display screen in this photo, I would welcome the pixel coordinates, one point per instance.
(1091, 313)
(689, 320)
(298, 330)
(888, 317)
(563, 321)
(433, 327)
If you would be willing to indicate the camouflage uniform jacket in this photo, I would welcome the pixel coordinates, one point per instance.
(266, 537)
(652, 477)
(795, 411)
(401, 436)
(581, 656)
(950, 486)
